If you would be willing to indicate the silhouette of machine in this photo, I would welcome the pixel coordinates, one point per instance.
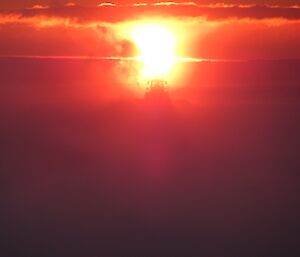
(157, 101)
(157, 91)
(156, 84)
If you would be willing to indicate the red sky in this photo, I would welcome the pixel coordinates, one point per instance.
(232, 30)
(28, 3)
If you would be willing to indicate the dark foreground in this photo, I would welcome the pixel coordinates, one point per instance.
(120, 179)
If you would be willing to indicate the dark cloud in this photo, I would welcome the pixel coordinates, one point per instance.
(17, 4)
(125, 12)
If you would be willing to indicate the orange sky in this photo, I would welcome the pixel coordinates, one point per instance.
(233, 31)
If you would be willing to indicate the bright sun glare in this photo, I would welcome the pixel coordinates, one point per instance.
(156, 45)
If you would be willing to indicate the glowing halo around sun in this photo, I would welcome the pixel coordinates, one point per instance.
(156, 45)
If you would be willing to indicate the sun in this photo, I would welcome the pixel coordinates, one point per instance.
(156, 45)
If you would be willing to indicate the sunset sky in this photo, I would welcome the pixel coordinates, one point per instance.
(234, 30)
(100, 158)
